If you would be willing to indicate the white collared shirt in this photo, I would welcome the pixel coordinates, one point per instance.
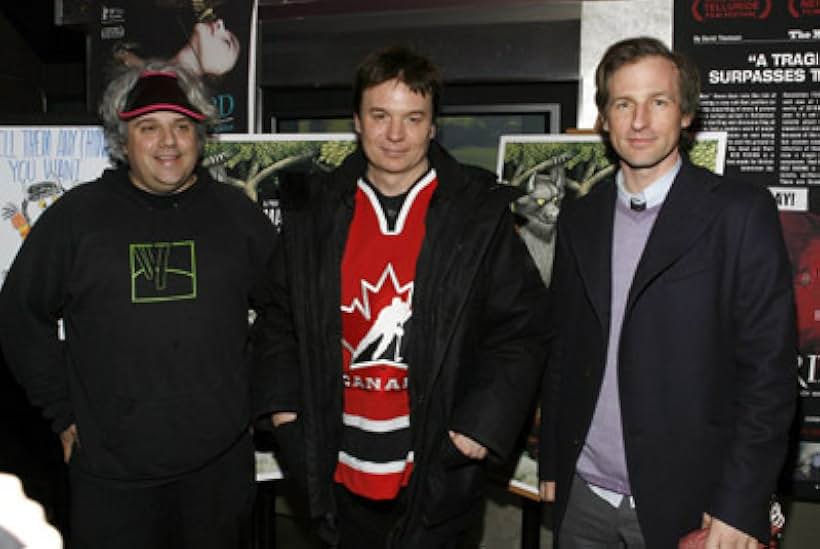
(611, 497)
(654, 194)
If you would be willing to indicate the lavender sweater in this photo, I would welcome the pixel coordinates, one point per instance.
(603, 460)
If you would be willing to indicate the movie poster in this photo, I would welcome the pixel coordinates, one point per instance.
(760, 71)
(802, 232)
(211, 38)
(37, 165)
(254, 162)
(551, 170)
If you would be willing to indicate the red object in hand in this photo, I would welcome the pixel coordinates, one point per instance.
(697, 540)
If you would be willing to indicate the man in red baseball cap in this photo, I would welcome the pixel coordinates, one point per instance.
(152, 269)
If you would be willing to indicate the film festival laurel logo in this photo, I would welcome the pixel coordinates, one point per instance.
(804, 8)
(162, 271)
(703, 10)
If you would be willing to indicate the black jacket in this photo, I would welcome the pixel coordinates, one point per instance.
(478, 334)
(706, 357)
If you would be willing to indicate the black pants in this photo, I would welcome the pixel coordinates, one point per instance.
(206, 509)
(366, 524)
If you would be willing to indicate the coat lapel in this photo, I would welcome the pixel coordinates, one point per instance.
(686, 213)
(592, 245)
(445, 225)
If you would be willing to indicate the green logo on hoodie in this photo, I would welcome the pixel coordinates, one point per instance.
(163, 271)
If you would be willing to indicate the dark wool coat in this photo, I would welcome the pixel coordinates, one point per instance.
(475, 357)
(706, 364)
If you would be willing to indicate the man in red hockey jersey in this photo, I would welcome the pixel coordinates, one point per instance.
(406, 342)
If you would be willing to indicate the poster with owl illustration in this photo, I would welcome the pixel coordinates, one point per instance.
(37, 165)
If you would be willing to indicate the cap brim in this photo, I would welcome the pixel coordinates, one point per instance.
(135, 113)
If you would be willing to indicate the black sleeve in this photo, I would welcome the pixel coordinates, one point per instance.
(765, 356)
(31, 303)
(512, 346)
(276, 378)
(550, 386)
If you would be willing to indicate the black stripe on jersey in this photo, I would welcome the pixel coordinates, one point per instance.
(376, 447)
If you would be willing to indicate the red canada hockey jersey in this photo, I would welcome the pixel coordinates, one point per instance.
(378, 269)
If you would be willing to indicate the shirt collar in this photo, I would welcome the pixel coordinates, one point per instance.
(654, 194)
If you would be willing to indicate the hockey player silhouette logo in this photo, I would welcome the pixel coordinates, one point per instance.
(380, 316)
(387, 329)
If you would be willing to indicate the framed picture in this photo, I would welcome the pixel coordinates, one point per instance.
(39, 164)
(254, 162)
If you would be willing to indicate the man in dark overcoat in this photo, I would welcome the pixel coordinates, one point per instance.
(671, 385)
(407, 339)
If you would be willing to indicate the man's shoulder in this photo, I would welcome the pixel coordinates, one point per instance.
(601, 194)
(106, 182)
(732, 191)
(479, 175)
(240, 209)
(457, 177)
(738, 190)
(85, 194)
(477, 186)
(312, 190)
(229, 194)
(81, 204)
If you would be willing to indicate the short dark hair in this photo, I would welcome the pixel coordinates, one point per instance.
(416, 71)
(632, 50)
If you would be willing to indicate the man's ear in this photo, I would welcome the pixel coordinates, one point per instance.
(357, 124)
(433, 131)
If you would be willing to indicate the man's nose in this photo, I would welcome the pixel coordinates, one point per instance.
(167, 137)
(395, 131)
(641, 116)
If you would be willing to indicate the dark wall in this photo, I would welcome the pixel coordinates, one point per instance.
(305, 67)
(21, 73)
(509, 52)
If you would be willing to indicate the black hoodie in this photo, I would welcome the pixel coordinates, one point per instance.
(154, 292)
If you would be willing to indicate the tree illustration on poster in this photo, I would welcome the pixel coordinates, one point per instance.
(253, 162)
(760, 72)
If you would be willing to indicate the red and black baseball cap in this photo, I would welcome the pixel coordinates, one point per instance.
(158, 91)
